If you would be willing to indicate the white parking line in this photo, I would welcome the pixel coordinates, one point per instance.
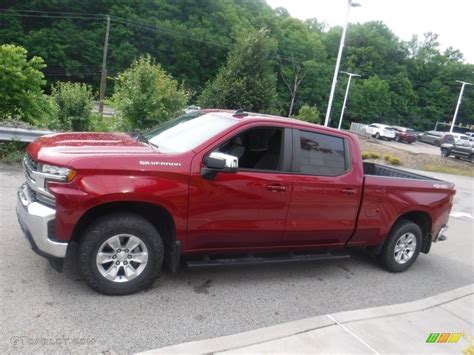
(456, 214)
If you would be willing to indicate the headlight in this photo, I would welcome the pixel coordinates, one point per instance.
(67, 173)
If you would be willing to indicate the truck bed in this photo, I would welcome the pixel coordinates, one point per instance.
(388, 171)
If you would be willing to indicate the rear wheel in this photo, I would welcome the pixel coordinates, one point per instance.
(457, 157)
(402, 246)
(472, 158)
(444, 152)
(397, 138)
(120, 254)
(436, 143)
(377, 135)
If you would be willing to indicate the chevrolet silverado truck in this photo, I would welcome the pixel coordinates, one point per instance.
(215, 187)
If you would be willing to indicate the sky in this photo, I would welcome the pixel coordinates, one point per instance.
(452, 20)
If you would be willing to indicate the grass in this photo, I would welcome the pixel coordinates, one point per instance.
(448, 170)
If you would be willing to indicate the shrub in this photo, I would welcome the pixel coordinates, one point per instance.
(387, 157)
(369, 155)
(365, 155)
(74, 106)
(11, 152)
(394, 161)
(146, 95)
(309, 114)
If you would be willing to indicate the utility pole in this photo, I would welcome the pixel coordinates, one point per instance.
(338, 61)
(345, 96)
(464, 83)
(103, 74)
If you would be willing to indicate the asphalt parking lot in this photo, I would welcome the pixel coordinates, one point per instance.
(415, 147)
(38, 304)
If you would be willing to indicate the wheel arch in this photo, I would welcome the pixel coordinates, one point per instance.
(421, 219)
(157, 215)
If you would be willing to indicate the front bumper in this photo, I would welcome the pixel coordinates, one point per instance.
(37, 222)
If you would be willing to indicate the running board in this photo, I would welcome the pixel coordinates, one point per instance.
(250, 259)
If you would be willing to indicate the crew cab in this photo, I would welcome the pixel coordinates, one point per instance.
(380, 131)
(459, 149)
(215, 187)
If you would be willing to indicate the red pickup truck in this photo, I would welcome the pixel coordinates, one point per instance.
(214, 187)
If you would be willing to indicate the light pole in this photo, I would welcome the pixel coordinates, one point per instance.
(464, 83)
(345, 96)
(338, 61)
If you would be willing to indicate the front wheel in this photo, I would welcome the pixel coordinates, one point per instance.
(377, 135)
(402, 246)
(472, 158)
(444, 152)
(397, 139)
(120, 254)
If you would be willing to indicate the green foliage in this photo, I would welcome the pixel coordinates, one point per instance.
(404, 83)
(247, 81)
(146, 95)
(309, 114)
(395, 161)
(370, 155)
(74, 106)
(21, 82)
(12, 152)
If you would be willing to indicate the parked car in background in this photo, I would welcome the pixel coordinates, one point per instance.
(459, 149)
(438, 138)
(470, 135)
(380, 131)
(404, 134)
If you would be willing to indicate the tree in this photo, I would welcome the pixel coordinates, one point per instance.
(247, 81)
(21, 82)
(309, 114)
(74, 105)
(146, 95)
(370, 99)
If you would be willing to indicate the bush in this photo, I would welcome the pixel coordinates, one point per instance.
(74, 106)
(394, 161)
(12, 152)
(387, 157)
(369, 155)
(309, 114)
(146, 95)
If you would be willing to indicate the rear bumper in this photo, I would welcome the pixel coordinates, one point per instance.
(37, 223)
(441, 236)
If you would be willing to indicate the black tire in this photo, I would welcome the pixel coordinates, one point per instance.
(436, 143)
(472, 158)
(377, 135)
(444, 152)
(397, 138)
(387, 256)
(112, 225)
(457, 157)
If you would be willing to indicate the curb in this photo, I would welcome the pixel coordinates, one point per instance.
(263, 335)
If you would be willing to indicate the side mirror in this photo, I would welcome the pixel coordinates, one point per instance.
(217, 162)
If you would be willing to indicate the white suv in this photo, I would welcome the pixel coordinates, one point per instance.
(379, 131)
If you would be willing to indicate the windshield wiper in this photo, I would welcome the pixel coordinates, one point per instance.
(141, 138)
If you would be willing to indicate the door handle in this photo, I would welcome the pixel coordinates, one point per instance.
(276, 188)
(348, 191)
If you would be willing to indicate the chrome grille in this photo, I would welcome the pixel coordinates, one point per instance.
(31, 163)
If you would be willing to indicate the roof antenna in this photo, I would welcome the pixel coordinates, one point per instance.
(240, 113)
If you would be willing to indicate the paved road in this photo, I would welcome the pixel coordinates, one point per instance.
(37, 302)
(415, 147)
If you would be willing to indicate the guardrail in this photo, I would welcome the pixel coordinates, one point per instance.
(21, 134)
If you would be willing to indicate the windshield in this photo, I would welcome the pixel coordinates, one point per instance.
(188, 131)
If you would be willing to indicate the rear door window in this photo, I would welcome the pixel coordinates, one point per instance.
(321, 154)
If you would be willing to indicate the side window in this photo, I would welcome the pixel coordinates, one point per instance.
(322, 154)
(258, 148)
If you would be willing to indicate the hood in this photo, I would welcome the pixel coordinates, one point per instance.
(61, 148)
